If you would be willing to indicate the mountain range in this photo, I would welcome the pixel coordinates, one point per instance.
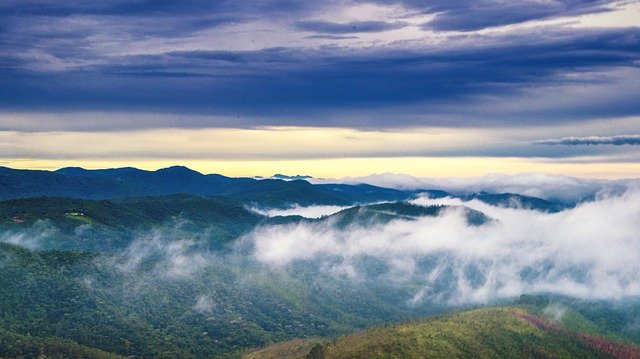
(170, 263)
(80, 183)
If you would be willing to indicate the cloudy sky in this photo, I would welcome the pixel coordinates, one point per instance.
(327, 88)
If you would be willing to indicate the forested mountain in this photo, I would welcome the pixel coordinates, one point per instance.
(144, 303)
(511, 200)
(125, 182)
(80, 224)
(131, 182)
(173, 263)
(107, 225)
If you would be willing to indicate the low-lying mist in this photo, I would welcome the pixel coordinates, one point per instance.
(34, 237)
(591, 251)
(296, 210)
(551, 187)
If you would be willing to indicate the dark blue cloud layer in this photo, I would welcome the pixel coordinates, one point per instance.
(620, 140)
(151, 8)
(480, 14)
(285, 81)
(442, 85)
(327, 27)
(451, 15)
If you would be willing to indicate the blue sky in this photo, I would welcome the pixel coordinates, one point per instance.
(531, 80)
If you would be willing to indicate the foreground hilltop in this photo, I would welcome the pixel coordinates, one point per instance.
(506, 332)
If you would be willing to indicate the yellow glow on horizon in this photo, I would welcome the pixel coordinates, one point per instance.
(232, 143)
(463, 167)
(318, 152)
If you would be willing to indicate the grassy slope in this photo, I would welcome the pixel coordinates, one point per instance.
(481, 333)
(293, 349)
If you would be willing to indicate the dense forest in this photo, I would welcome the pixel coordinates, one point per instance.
(195, 276)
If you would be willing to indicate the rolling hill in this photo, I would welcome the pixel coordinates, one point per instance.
(165, 264)
(511, 200)
(380, 213)
(103, 225)
(148, 303)
(81, 224)
(505, 332)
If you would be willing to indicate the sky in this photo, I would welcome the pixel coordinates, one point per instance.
(326, 88)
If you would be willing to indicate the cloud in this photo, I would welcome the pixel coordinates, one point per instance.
(168, 251)
(275, 63)
(331, 37)
(40, 235)
(299, 86)
(296, 210)
(204, 304)
(327, 27)
(476, 15)
(593, 140)
(550, 187)
(555, 311)
(589, 252)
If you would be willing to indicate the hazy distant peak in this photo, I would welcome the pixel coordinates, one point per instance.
(178, 170)
(72, 170)
(290, 178)
(79, 171)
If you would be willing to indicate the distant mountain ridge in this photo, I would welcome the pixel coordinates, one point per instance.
(81, 183)
(281, 192)
(287, 177)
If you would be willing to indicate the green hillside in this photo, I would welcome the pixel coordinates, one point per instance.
(131, 182)
(157, 308)
(384, 212)
(509, 332)
(14, 345)
(144, 277)
(129, 212)
(106, 225)
(381, 213)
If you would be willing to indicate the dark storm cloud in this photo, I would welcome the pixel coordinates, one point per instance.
(285, 81)
(451, 15)
(331, 37)
(593, 140)
(327, 27)
(34, 20)
(150, 8)
(476, 15)
(73, 56)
